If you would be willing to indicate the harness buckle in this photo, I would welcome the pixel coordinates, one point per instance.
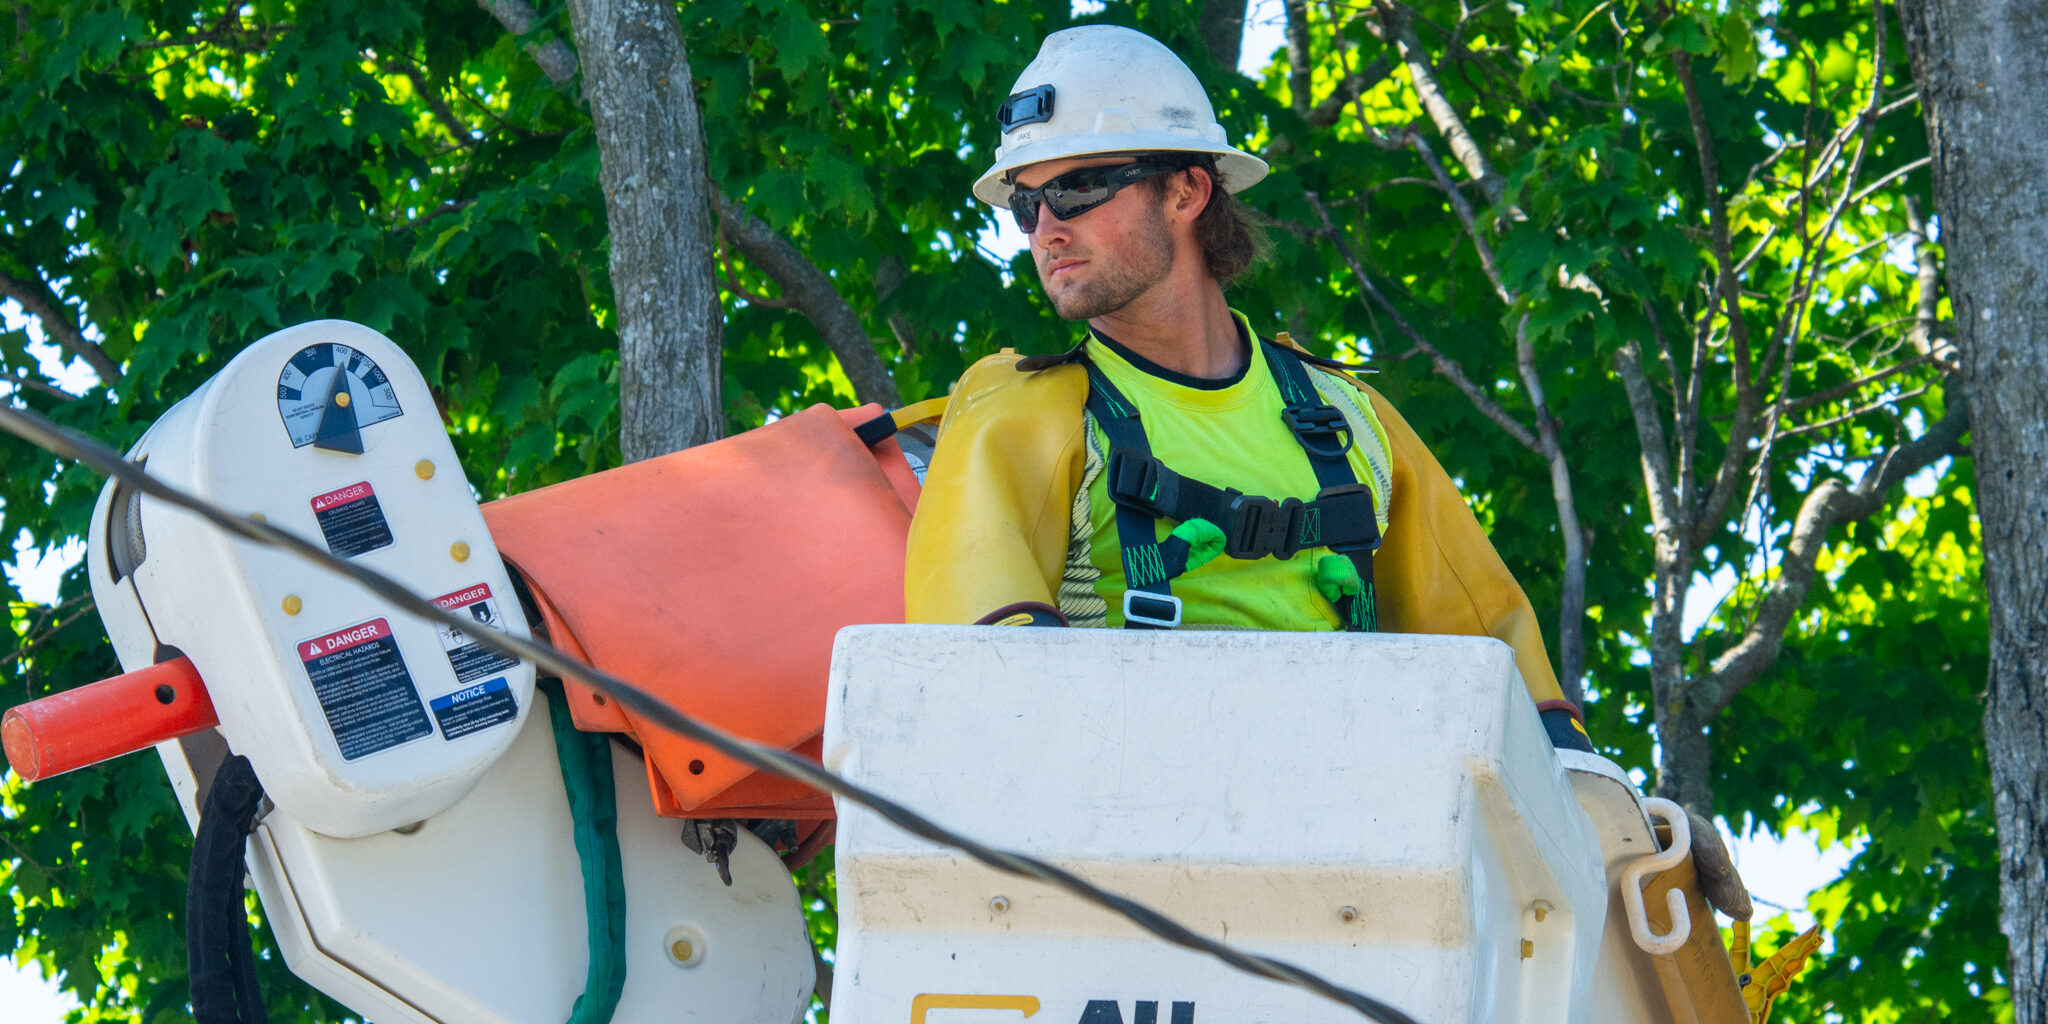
(1261, 526)
(1159, 611)
(1313, 422)
(1140, 481)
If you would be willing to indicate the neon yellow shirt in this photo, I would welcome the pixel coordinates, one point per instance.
(1227, 434)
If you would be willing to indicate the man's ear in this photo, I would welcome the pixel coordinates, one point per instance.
(1190, 194)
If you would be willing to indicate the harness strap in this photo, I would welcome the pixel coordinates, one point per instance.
(1145, 570)
(1316, 425)
(1341, 517)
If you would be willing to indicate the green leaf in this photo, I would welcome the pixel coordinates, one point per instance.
(799, 42)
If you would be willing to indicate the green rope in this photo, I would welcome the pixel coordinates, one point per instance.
(586, 760)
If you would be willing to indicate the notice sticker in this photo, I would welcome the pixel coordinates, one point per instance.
(475, 709)
(364, 688)
(352, 521)
(471, 660)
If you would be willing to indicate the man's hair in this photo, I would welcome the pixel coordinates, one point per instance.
(1231, 237)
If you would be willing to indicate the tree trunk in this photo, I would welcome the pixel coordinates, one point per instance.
(1984, 88)
(1222, 26)
(650, 140)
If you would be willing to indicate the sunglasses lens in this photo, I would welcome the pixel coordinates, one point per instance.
(1075, 194)
(1024, 207)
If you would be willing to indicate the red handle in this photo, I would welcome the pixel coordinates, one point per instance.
(106, 719)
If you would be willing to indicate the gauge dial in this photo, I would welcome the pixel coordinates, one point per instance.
(328, 392)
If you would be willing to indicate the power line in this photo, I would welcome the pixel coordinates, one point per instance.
(67, 443)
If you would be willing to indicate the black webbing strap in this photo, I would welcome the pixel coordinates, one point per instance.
(1342, 516)
(221, 966)
(1147, 580)
(1317, 425)
(877, 430)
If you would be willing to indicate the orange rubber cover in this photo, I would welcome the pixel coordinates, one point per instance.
(717, 577)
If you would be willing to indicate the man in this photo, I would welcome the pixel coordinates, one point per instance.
(1174, 470)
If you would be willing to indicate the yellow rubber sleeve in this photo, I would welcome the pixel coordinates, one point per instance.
(1437, 572)
(992, 523)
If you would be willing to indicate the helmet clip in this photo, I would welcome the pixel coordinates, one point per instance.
(1028, 107)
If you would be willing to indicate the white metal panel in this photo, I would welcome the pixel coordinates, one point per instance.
(1252, 785)
(241, 611)
(477, 917)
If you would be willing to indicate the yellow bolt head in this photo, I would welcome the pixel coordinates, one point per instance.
(292, 604)
(424, 469)
(341, 399)
(459, 551)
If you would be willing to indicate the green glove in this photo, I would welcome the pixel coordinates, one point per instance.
(1337, 577)
(1204, 540)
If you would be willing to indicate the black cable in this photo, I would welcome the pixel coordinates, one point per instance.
(70, 444)
(221, 965)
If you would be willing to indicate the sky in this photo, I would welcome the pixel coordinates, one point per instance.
(1779, 874)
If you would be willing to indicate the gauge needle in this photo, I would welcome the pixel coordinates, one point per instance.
(337, 431)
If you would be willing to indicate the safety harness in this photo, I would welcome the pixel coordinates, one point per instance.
(1341, 517)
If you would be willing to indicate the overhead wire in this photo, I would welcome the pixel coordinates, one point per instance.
(70, 444)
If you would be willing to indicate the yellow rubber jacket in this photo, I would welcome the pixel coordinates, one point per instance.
(992, 524)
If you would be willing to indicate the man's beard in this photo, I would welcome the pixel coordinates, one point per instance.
(1117, 283)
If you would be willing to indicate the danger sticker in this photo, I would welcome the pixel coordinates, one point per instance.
(475, 709)
(364, 689)
(471, 660)
(351, 520)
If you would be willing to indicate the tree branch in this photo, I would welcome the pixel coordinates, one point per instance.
(1571, 620)
(432, 98)
(804, 286)
(40, 302)
(1443, 363)
(1860, 411)
(1397, 26)
(1628, 364)
(1463, 209)
(41, 634)
(555, 58)
(1841, 391)
(810, 291)
(1326, 112)
(889, 276)
(1728, 291)
(1827, 506)
(22, 380)
(1927, 295)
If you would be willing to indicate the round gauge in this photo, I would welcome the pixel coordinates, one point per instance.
(328, 392)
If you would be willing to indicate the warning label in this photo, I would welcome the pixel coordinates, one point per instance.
(471, 660)
(475, 709)
(351, 520)
(369, 698)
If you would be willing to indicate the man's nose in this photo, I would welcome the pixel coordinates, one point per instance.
(1048, 225)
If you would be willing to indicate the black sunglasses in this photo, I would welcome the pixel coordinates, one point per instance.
(1079, 191)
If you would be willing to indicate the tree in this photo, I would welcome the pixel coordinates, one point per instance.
(1985, 83)
(1654, 283)
(658, 208)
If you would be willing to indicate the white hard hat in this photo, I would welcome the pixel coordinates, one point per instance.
(1104, 89)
